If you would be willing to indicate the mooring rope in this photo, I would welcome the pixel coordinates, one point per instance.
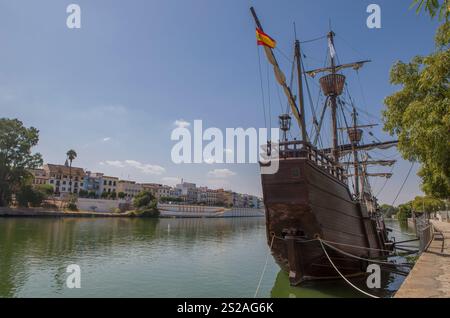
(343, 277)
(265, 267)
(366, 259)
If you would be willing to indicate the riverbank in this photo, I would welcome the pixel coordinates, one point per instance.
(40, 212)
(430, 277)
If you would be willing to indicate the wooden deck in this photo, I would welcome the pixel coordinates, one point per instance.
(430, 277)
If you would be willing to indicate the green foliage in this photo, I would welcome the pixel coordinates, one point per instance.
(404, 212)
(104, 195)
(72, 204)
(420, 114)
(113, 195)
(47, 189)
(71, 155)
(92, 194)
(16, 158)
(29, 196)
(143, 199)
(427, 204)
(146, 205)
(121, 195)
(170, 199)
(433, 7)
(72, 207)
(83, 193)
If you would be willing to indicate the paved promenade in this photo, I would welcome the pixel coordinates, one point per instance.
(430, 277)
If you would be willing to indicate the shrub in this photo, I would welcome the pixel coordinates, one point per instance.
(143, 199)
(72, 206)
(146, 205)
(83, 194)
(46, 189)
(28, 196)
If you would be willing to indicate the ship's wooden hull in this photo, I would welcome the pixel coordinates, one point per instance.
(304, 202)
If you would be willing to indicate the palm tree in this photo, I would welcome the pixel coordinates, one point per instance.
(71, 155)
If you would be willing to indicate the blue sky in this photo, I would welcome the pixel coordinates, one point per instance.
(113, 89)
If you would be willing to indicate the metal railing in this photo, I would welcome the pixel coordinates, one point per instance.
(424, 230)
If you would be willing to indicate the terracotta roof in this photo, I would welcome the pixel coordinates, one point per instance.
(62, 169)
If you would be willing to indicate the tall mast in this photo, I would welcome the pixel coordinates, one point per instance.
(355, 152)
(333, 99)
(281, 78)
(298, 57)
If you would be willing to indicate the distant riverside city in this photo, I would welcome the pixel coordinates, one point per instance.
(67, 180)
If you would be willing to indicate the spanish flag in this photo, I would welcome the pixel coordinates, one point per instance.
(264, 39)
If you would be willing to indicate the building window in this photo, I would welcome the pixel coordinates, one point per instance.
(104, 182)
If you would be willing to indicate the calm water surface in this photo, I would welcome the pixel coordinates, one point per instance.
(151, 258)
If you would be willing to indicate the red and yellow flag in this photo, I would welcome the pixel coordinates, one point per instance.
(264, 39)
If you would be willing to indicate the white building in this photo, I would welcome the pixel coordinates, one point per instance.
(64, 179)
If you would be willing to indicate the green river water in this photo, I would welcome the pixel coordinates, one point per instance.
(152, 258)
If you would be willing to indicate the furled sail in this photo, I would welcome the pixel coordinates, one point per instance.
(281, 79)
(346, 149)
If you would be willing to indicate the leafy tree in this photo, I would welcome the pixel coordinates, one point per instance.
(433, 7)
(420, 114)
(16, 158)
(47, 189)
(113, 195)
(29, 196)
(143, 199)
(71, 155)
(404, 212)
(121, 195)
(92, 194)
(146, 205)
(104, 195)
(427, 204)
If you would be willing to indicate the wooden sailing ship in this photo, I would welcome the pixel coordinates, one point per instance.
(309, 200)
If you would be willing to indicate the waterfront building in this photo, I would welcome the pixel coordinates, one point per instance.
(108, 184)
(39, 176)
(152, 188)
(130, 188)
(92, 182)
(188, 191)
(64, 179)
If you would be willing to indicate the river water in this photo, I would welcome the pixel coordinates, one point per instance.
(152, 258)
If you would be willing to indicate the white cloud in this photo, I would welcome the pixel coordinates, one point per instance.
(112, 163)
(181, 123)
(145, 168)
(106, 139)
(221, 173)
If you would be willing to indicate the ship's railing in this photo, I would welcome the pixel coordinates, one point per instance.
(300, 149)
